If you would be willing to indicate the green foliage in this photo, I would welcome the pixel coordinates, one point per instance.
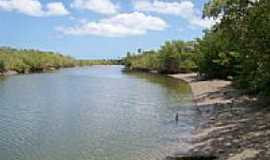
(99, 62)
(172, 57)
(176, 56)
(24, 61)
(2, 66)
(255, 49)
(239, 45)
(216, 57)
(32, 60)
(145, 61)
(228, 8)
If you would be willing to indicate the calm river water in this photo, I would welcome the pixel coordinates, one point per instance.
(93, 113)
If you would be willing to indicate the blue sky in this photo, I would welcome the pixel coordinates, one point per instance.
(95, 29)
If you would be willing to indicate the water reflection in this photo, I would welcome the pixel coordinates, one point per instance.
(93, 113)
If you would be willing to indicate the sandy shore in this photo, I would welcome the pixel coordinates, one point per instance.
(207, 92)
(8, 73)
(233, 126)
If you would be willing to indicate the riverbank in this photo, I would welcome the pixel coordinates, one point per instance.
(13, 72)
(208, 92)
(22, 61)
(47, 70)
(234, 126)
(8, 73)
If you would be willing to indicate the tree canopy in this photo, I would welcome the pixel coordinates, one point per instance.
(172, 57)
(244, 31)
(236, 47)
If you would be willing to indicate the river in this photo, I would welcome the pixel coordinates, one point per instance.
(93, 113)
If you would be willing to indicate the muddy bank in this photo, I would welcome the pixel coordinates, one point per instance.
(8, 73)
(42, 70)
(233, 126)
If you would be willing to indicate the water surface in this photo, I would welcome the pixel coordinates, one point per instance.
(93, 113)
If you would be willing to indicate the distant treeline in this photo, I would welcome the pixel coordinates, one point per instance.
(237, 47)
(172, 57)
(28, 60)
(100, 62)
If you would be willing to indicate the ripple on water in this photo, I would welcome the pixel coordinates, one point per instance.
(93, 113)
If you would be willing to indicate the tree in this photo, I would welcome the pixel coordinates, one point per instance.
(170, 57)
(245, 26)
(2, 66)
(216, 56)
(177, 56)
(254, 45)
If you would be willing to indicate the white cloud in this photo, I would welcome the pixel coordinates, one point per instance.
(176, 8)
(184, 9)
(122, 25)
(98, 6)
(56, 8)
(34, 7)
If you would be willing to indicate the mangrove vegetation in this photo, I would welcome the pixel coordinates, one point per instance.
(236, 47)
(172, 57)
(29, 60)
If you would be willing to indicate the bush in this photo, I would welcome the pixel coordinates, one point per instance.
(172, 57)
(32, 60)
(216, 58)
(2, 66)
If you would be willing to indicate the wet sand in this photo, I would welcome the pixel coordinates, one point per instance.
(207, 92)
(233, 126)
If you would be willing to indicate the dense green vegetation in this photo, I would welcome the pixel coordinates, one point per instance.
(215, 56)
(99, 62)
(237, 47)
(172, 57)
(25, 61)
